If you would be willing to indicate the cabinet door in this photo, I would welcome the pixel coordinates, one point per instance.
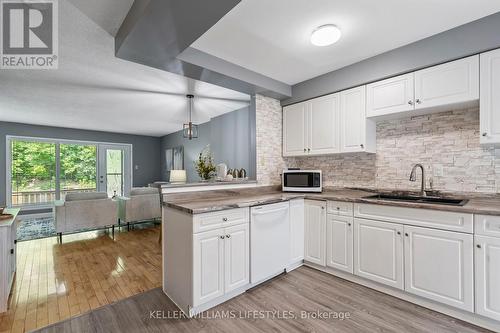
(378, 252)
(390, 96)
(339, 242)
(449, 83)
(490, 98)
(439, 266)
(237, 257)
(315, 236)
(323, 131)
(208, 266)
(294, 129)
(487, 269)
(353, 119)
(296, 230)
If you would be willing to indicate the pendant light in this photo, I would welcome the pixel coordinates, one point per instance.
(190, 130)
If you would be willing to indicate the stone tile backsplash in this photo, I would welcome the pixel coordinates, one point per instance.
(270, 162)
(446, 143)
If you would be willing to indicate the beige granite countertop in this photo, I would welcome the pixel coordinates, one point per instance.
(204, 202)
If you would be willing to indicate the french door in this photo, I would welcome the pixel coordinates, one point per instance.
(114, 169)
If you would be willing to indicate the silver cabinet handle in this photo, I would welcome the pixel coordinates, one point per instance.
(418, 101)
(349, 224)
(485, 134)
(308, 149)
(406, 234)
(305, 150)
(399, 232)
(338, 208)
(221, 237)
(228, 236)
(362, 145)
(224, 219)
(410, 102)
(478, 246)
(322, 207)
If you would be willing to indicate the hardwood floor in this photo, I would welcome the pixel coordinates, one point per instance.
(304, 289)
(58, 281)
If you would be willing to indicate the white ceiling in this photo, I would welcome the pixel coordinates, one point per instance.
(272, 37)
(92, 89)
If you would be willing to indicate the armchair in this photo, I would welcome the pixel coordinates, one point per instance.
(84, 211)
(143, 204)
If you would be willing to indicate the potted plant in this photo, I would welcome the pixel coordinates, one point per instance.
(204, 165)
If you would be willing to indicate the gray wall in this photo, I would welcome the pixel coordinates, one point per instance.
(231, 138)
(465, 40)
(145, 149)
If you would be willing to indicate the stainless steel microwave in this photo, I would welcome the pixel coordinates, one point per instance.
(302, 181)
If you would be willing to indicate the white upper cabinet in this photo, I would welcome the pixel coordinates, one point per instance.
(357, 132)
(439, 266)
(432, 89)
(312, 127)
(450, 83)
(490, 98)
(394, 95)
(294, 129)
(323, 121)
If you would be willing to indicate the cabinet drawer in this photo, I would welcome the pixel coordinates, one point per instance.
(340, 208)
(431, 218)
(225, 218)
(487, 225)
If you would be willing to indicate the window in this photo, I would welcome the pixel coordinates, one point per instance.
(33, 178)
(42, 170)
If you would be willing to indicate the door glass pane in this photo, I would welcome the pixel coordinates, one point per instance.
(33, 176)
(78, 168)
(114, 171)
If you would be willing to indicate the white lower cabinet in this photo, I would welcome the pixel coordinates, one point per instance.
(208, 266)
(220, 262)
(315, 236)
(487, 276)
(378, 252)
(339, 243)
(439, 266)
(296, 231)
(236, 257)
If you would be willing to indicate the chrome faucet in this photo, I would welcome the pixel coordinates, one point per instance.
(413, 177)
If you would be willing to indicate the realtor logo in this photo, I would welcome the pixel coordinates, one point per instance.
(29, 35)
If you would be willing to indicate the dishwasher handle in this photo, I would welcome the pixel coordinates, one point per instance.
(264, 212)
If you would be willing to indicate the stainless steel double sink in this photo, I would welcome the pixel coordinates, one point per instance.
(403, 197)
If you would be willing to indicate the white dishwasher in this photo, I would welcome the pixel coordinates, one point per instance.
(269, 241)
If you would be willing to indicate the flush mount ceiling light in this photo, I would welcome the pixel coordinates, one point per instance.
(325, 35)
(190, 130)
